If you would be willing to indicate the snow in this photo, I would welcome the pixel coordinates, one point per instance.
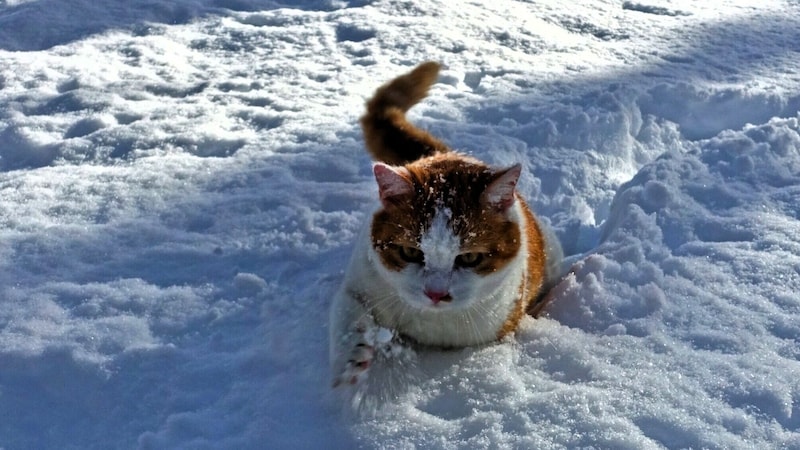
(181, 184)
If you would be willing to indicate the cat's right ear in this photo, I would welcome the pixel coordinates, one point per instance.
(501, 192)
(393, 182)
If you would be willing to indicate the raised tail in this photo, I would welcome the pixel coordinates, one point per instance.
(390, 138)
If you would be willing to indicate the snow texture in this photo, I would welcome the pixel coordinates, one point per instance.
(181, 184)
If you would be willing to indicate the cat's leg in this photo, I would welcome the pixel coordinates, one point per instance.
(354, 338)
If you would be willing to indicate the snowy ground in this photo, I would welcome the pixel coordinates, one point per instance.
(181, 182)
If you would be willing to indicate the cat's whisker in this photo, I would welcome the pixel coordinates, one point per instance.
(393, 305)
(474, 326)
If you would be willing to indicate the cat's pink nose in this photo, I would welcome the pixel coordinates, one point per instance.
(438, 296)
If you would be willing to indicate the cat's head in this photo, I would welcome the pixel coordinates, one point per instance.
(447, 229)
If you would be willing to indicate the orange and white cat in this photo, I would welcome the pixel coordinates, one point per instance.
(452, 257)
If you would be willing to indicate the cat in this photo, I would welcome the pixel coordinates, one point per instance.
(453, 256)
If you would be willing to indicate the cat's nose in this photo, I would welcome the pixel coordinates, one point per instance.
(438, 296)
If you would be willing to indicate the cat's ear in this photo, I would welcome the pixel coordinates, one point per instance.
(392, 181)
(500, 193)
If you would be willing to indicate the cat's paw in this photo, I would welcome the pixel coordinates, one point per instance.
(357, 366)
(371, 342)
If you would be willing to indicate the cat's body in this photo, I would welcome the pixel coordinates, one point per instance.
(452, 258)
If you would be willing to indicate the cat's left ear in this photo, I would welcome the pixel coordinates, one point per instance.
(500, 193)
(393, 182)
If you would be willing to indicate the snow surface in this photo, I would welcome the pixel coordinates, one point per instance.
(181, 183)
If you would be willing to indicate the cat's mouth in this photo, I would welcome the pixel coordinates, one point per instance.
(446, 299)
(437, 297)
(426, 302)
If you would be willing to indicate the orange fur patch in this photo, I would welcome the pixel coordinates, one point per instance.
(454, 182)
(530, 288)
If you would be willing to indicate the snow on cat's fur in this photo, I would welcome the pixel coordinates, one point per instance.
(454, 257)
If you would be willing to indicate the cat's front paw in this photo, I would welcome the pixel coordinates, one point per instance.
(357, 366)
(372, 341)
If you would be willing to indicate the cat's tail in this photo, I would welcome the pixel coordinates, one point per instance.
(390, 138)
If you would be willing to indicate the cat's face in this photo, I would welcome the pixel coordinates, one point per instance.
(444, 235)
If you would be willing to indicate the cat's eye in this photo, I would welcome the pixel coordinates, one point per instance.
(411, 254)
(470, 259)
